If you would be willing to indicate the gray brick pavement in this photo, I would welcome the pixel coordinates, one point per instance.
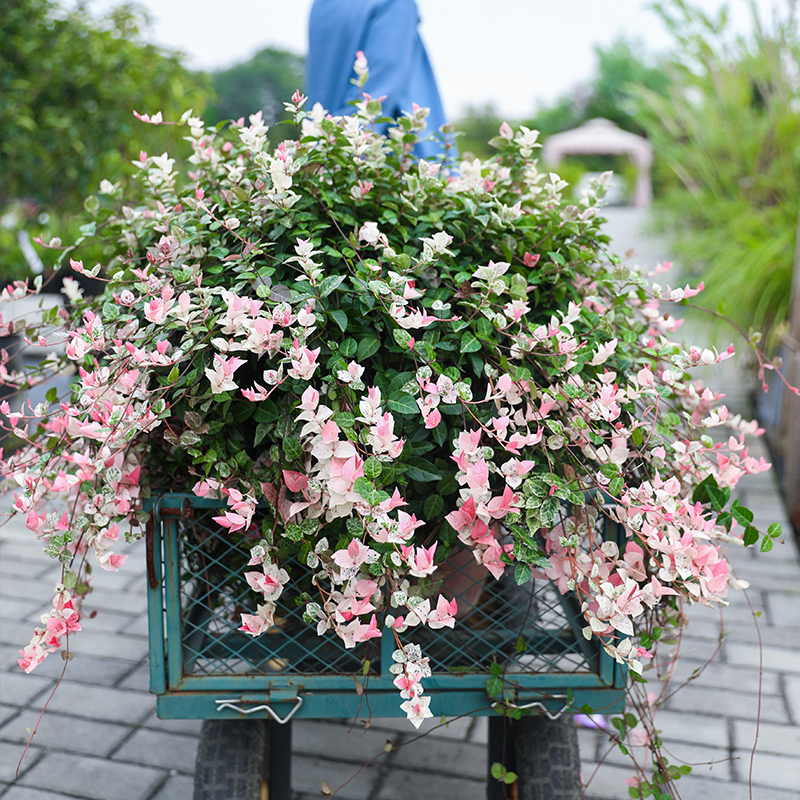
(101, 738)
(177, 787)
(26, 793)
(96, 779)
(89, 737)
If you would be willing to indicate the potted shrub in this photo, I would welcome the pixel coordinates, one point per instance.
(392, 361)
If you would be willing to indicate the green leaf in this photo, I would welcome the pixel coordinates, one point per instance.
(494, 686)
(541, 561)
(174, 374)
(368, 347)
(364, 486)
(700, 493)
(262, 429)
(348, 348)
(750, 535)
(616, 486)
(775, 530)
(744, 516)
(421, 470)
(484, 327)
(293, 532)
(433, 507)
(52, 395)
(402, 337)
(330, 284)
(344, 419)
(549, 511)
(355, 527)
(372, 467)
(340, 318)
(719, 497)
(610, 470)
(522, 574)
(92, 204)
(725, 520)
(469, 344)
(766, 544)
(402, 403)
(425, 350)
(110, 311)
(292, 448)
(193, 420)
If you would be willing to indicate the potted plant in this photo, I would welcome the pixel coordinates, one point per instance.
(389, 360)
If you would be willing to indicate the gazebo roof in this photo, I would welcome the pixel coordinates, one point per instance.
(597, 136)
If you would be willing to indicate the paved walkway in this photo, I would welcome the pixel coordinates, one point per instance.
(100, 738)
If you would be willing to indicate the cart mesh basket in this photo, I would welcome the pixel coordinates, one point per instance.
(202, 666)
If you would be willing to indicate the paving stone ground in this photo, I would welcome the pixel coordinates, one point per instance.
(737, 721)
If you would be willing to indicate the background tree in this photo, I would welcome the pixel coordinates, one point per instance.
(622, 68)
(69, 84)
(263, 83)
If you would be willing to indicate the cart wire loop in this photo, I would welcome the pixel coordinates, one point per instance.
(537, 704)
(232, 704)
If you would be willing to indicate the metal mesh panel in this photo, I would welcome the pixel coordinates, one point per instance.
(530, 628)
(214, 595)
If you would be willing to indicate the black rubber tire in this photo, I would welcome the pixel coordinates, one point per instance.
(545, 757)
(232, 759)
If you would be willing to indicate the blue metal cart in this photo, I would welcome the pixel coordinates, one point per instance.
(202, 667)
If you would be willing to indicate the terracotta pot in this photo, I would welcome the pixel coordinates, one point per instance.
(463, 577)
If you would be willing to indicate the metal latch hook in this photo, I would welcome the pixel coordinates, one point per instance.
(537, 704)
(231, 703)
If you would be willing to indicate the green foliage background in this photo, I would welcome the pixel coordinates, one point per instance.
(727, 136)
(69, 83)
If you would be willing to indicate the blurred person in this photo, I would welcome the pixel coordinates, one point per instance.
(399, 68)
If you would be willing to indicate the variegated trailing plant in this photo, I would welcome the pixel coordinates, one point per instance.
(392, 358)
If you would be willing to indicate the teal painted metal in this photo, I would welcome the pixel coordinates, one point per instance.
(198, 657)
(155, 614)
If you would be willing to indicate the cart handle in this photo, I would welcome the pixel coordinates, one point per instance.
(538, 704)
(231, 704)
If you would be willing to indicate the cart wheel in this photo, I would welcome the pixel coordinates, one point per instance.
(545, 757)
(232, 760)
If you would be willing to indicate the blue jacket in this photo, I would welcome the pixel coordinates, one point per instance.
(386, 31)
